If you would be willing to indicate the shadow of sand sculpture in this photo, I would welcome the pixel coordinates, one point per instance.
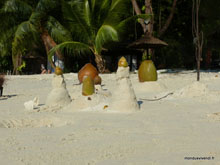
(5, 97)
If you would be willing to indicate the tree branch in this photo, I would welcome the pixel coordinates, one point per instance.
(149, 10)
(161, 32)
(138, 11)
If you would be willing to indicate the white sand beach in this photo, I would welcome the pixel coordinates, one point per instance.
(178, 122)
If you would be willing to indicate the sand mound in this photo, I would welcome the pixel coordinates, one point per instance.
(95, 102)
(59, 95)
(214, 116)
(150, 86)
(195, 89)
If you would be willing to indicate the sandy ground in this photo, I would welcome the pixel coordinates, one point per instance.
(178, 122)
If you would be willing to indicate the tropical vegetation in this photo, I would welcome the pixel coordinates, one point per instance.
(27, 25)
(88, 27)
(93, 24)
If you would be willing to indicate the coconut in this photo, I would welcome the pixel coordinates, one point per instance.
(147, 71)
(98, 80)
(87, 70)
(122, 62)
(88, 87)
(58, 71)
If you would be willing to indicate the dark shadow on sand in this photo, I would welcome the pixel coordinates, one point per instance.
(184, 71)
(5, 97)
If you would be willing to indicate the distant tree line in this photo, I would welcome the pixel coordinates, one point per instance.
(83, 30)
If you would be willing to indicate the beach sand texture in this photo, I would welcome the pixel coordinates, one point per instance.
(178, 118)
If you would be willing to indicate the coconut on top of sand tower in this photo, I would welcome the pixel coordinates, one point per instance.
(87, 70)
(58, 70)
(122, 62)
(147, 71)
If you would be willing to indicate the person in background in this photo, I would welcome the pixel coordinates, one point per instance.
(43, 70)
(57, 62)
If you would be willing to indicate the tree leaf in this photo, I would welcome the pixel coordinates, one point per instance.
(71, 47)
(105, 34)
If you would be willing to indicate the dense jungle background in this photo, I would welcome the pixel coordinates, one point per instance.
(87, 30)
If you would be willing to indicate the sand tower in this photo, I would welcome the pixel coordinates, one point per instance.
(123, 97)
(59, 95)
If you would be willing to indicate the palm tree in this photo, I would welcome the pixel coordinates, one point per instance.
(30, 23)
(94, 23)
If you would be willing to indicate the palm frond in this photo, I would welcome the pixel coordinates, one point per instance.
(58, 32)
(5, 41)
(122, 26)
(46, 5)
(118, 11)
(23, 36)
(74, 15)
(88, 13)
(92, 4)
(35, 18)
(71, 47)
(105, 34)
(12, 13)
(103, 11)
(17, 7)
(116, 3)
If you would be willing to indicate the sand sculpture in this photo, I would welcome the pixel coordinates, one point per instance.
(123, 97)
(59, 95)
(32, 104)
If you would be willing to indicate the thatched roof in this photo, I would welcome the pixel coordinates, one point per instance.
(147, 41)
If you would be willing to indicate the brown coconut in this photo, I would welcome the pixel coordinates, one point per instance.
(98, 80)
(87, 70)
(58, 71)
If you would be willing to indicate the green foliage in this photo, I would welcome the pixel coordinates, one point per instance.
(22, 66)
(105, 33)
(58, 32)
(71, 47)
(83, 27)
(94, 23)
(24, 21)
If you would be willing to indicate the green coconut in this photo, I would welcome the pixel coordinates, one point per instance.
(88, 87)
(147, 71)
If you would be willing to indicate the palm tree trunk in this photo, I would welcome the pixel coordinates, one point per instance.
(49, 43)
(17, 60)
(100, 63)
